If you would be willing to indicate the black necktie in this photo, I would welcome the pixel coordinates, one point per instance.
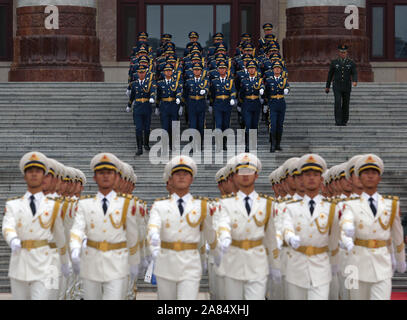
(104, 205)
(311, 207)
(372, 206)
(247, 205)
(32, 205)
(181, 207)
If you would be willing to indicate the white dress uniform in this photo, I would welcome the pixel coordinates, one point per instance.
(374, 221)
(178, 265)
(373, 236)
(246, 263)
(308, 268)
(112, 243)
(33, 270)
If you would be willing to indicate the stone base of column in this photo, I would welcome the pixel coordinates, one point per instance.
(313, 36)
(68, 54)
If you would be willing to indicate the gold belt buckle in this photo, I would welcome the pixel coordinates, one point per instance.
(309, 251)
(245, 245)
(178, 246)
(103, 246)
(372, 244)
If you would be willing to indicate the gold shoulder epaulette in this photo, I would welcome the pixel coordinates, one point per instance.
(352, 198)
(391, 197)
(14, 198)
(228, 196)
(86, 197)
(293, 201)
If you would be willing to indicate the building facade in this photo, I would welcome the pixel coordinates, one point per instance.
(95, 37)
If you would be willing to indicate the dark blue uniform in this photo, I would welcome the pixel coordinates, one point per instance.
(221, 94)
(139, 99)
(275, 96)
(249, 94)
(166, 97)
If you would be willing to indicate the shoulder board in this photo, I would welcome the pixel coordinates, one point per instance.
(265, 196)
(391, 197)
(352, 198)
(161, 199)
(15, 198)
(86, 197)
(292, 201)
(330, 200)
(124, 195)
(228, 196)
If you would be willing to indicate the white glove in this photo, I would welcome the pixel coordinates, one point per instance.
(265, 109)
(335, 269)
(202, 92)
(239, 109)
(155, 252)
(232, 102)
(286, 91)
(225, 244)
(152, 100)
(128, 109)
(128, 92)
(401, 267)
(210, 109)
(155, 239)
(15, 245)
(294, 242)
(134, 270)
(275, 275)
(66, 270)
(261, 92)
(178, 101)
(348, 244)
(279, 244)
(85, 243)
(157, 112)
(349, 229)
(180, 111)
(393, 262)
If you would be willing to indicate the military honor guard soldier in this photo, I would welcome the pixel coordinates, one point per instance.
(343, 73)
(30, 224)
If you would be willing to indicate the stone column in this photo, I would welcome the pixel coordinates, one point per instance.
(315, 28)
(67, 54)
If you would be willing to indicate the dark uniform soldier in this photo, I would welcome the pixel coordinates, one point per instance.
(169, 95)
(193, 42)
(143, 93)
(223, 98)
(276, 88)
(268, 37)
(195, 91)
(343, 72)
(251, 89)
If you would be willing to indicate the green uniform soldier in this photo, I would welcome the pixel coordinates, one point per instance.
(343, 72)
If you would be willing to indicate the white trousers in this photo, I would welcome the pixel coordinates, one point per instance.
(372, 291)
(212, 281)
(343, 292)
(181, 290)
(220, 288)
(34, 290)
(245, 290)
(112, 290)
(275, 291)
(334, 288)
(315, 293)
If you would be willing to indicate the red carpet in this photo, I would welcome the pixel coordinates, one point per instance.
(399, 296)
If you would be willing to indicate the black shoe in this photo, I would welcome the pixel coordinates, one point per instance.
(139, 146)
(278, 142)
(272, 144)
(147, 141)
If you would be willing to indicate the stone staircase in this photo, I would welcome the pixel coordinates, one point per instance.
(72, 122)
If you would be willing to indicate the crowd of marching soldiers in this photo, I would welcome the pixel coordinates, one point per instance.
(254, 81)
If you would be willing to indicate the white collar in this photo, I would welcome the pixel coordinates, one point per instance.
(37, 197)
(367, 197)
(185, 198)
(317, 199)
(109, 196)
(243, 195)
